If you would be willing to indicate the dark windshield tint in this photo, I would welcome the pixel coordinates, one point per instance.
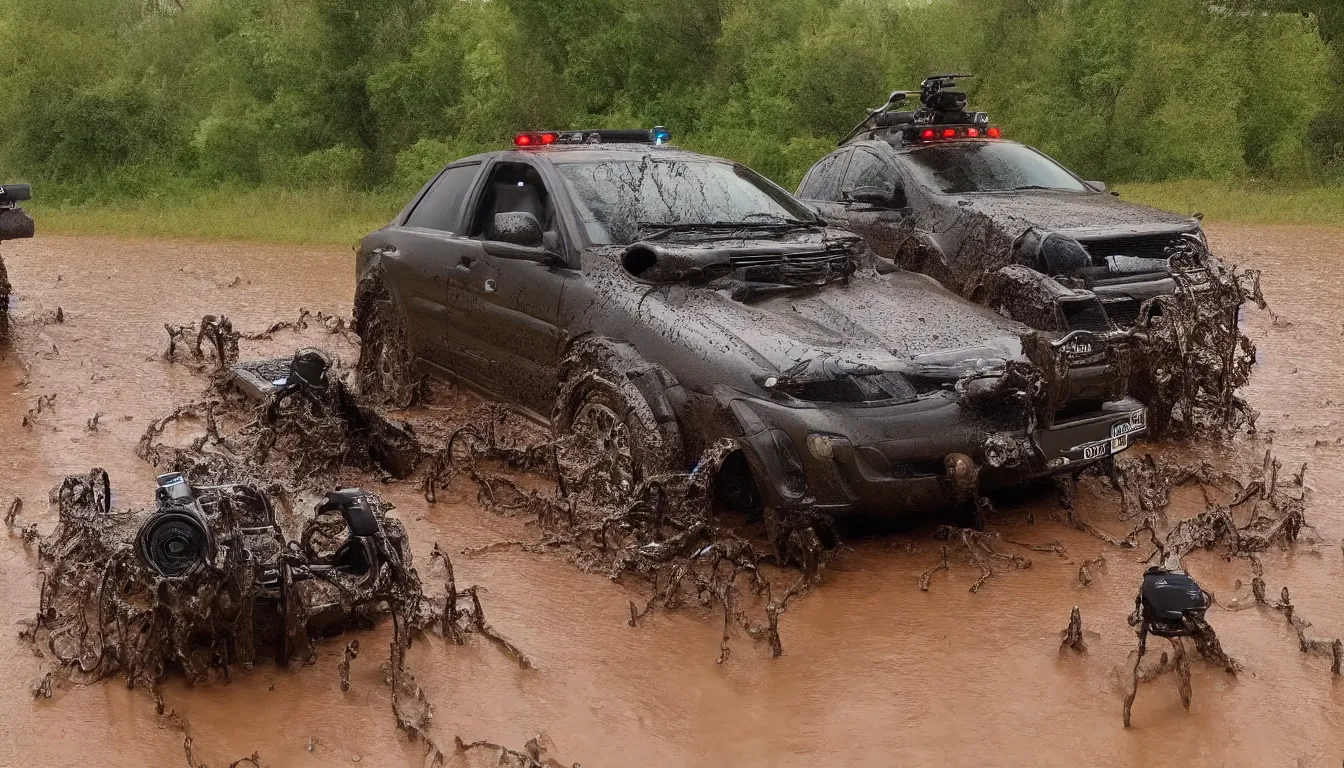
(623, 199)
(989, 167)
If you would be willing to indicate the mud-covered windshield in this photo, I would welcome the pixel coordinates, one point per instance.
(989, 167)
(623, 199)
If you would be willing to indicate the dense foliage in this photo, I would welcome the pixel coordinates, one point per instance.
(110, 98)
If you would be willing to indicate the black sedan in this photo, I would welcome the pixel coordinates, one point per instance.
(662, 301)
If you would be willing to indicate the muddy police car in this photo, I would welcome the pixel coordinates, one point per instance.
(940, 190)
(653, 302)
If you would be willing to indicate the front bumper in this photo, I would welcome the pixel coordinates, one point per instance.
(911, 457)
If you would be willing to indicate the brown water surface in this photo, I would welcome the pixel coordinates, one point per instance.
(875, 672)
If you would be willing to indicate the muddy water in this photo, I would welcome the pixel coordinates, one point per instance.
(875, 672)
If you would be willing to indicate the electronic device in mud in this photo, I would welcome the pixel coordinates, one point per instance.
(1171, 604)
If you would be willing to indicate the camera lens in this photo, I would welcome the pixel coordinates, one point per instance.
(173, 543)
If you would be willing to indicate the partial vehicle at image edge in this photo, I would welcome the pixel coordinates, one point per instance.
(662, 301)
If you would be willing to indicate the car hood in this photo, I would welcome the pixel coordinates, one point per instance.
(1078, 214)
(901, 321)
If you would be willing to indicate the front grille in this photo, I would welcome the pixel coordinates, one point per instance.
(1139, 246)
(1123, 311)
(804, 267)
(1084, 315)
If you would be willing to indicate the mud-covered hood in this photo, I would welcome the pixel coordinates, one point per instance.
(902, 322)
(1079, 214)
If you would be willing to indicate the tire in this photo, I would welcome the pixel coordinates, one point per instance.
(386, 371)
(611, 438)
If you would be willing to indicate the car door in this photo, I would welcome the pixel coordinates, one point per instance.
(422, 255)
(509, 314)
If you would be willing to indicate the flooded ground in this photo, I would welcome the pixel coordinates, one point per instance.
(874, 671)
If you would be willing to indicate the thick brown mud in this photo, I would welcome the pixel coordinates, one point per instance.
(875, 671)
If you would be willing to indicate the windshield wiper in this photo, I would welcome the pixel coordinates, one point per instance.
(1035, 186)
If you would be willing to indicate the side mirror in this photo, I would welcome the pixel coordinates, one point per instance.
(879, 196)
(1099, 186)
(517, 228)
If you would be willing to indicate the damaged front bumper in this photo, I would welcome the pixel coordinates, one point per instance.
(898, 458)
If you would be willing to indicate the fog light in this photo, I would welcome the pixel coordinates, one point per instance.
(1056, 462)
(820, 446)
(961, 470)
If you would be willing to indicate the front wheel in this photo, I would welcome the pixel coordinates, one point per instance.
(609, 438)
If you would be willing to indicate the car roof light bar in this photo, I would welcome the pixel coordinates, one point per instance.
(658, 135)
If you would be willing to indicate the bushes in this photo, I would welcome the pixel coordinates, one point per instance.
(375, 94)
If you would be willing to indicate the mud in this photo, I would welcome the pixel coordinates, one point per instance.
(1186, 358)
(960, 678)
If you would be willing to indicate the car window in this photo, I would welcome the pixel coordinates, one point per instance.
(511, 188)
(867, 170)
(965, 167)
(441, 207)
(624, 199)
(823, 183)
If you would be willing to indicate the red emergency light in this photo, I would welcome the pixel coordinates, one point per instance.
(535, 139)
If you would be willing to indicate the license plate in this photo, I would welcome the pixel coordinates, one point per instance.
(1097, 451)
(1120, 436)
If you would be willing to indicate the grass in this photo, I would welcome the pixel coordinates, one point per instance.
(290, 217)
(333, 217)
(1245, 202)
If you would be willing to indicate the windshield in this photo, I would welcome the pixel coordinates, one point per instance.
(622, 200)
(988, 167)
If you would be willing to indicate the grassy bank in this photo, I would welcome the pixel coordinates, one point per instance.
(339, 218)
(282, 216)
(1246, 202)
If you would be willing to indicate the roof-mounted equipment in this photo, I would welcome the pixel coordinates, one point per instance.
(941, 116)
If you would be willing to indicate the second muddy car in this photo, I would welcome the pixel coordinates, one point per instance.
(654, 302)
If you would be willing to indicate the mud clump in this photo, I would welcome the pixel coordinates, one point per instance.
(5, 289)
(1192, 358)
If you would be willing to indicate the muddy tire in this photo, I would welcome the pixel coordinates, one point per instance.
(611, 437)
(386, 370)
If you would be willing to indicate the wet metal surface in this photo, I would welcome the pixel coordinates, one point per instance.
(870, 660)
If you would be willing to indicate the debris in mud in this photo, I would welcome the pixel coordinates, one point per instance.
(1085, 570)
(351, 653)
(5, 289)
(325, 430)
(980, 550)
(1192, 358)
(208, 581)
(1073, 634)
(1332, 648)
(664, 530)
(533, 754)
(216, 329)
